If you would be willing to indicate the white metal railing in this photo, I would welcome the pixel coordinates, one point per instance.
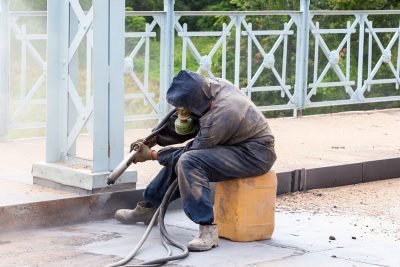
(233, 29)
(237, 28)
(142, 83)
(355, 89)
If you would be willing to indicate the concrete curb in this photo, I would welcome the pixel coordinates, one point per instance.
(65, 211)
(103, 205)
(332, 176)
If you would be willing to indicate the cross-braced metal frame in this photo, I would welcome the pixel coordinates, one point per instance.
(237, 22)
(355, 89)
(158, 105)
(69, 111)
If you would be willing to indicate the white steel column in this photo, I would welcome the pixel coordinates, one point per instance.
(4, 66)
(101, 83)
(117, 102)
(108, 94)
(57, 74)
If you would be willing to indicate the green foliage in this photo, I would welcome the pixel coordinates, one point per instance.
(363, 4)
(209, 23)
(266, 4)
(134, 23)
(148, 5)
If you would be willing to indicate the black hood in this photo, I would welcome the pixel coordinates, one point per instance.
(190, 90)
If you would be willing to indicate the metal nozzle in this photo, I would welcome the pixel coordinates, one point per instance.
(121, 168)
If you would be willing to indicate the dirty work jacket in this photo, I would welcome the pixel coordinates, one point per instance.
(232, 119)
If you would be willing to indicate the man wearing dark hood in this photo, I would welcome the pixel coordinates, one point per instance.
(232, 140)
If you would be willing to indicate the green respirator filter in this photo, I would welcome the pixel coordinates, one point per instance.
(184, 123)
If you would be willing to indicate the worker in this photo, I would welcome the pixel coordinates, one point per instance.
(232, 139)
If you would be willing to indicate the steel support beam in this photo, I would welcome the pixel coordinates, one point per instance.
(4, 66)
(108, 94)
(57, 73)
(117, 95)
(101, 84)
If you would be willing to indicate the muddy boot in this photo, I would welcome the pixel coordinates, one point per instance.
(141, 213)
(206, 239)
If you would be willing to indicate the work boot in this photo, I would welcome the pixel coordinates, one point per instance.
(206, 239)
(142, 213)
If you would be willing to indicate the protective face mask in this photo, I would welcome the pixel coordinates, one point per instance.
(184, 123)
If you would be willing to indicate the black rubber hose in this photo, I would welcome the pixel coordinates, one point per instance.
(163, 209)
(161, 125)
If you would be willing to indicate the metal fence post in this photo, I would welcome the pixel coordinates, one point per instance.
(167, 53)
(300, 90)
(57, 75)
(238, 24)
(4, 66)
(360, 63)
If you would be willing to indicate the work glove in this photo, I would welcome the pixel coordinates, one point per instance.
(149, 142)
(143, 154)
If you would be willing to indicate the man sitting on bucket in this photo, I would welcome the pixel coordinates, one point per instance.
(232, 140)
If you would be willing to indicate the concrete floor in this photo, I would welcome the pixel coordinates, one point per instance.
(301, 238)
(306, 142)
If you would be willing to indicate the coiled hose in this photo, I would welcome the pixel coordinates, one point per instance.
(165, 237)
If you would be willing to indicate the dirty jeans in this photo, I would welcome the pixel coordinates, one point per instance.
(194, 169)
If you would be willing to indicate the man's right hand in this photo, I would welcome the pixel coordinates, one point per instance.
(143, 154)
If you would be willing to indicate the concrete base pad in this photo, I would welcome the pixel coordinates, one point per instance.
(77, 177)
